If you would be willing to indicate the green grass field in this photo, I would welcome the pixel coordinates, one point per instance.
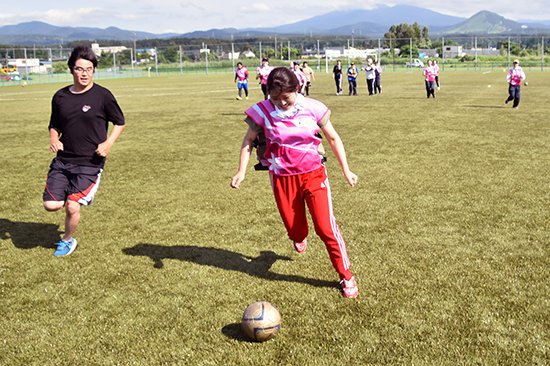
(448, 232)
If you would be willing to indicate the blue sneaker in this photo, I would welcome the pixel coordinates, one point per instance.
(65, 247)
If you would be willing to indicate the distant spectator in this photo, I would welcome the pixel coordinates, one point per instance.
(436, 72)
(378, 78)
(241, 78)
(262, 73)
(310, 76)
(337, 71)
(371, 75)
(352, 74)
(429, 79)
(515, 77)
(302, 79)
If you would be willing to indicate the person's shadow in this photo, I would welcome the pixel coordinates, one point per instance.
(225, 259)
(28, 235)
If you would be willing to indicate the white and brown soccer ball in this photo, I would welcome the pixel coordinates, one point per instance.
(261, 321)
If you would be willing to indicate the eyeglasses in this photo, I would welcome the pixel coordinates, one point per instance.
(81, 70)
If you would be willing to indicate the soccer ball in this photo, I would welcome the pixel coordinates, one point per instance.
(526, 83)
(261, 321)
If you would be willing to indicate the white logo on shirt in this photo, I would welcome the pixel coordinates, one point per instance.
(86, 108)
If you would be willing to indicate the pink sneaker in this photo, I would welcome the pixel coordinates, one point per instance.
(349, 288)
(301, 246)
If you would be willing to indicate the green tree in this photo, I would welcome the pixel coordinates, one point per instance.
(401, 34)
(171, 54)
(60, 68)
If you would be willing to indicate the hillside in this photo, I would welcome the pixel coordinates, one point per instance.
(485, 22)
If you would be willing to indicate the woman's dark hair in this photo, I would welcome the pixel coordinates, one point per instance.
(282, 80)
(82, 52)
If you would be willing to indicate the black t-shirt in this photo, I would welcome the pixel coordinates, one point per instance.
(83, 121)
(337, 70)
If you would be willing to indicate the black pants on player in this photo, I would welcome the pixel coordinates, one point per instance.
(338, 81)
(352, 86)
(513, 94)
(430, 88)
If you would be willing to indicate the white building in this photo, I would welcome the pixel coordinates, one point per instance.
(31, 66)
(233, 55)
(249, 54)
(482, 51)
(453, 51)
(332, 53)
(113, 49)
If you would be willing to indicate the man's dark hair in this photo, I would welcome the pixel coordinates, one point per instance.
(282, 80)
(82, 52)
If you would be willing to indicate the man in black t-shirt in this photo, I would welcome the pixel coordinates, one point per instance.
(78, 128)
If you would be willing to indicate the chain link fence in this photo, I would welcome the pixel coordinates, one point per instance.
(142, 59)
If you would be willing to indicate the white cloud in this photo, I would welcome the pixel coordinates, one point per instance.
(257, 7)
(68, 17)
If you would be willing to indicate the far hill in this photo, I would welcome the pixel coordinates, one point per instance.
(485, 23)
(36, 32)
(380, 20)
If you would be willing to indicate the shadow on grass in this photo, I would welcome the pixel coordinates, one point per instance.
(234, 331)
(225, 259)
(486, 106)
(232, 114)
(28, 235)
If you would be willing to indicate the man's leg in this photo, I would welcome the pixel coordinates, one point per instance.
(511, 93)
(72, 218)
(516, 96)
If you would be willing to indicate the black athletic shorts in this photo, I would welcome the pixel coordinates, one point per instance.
(78, 183)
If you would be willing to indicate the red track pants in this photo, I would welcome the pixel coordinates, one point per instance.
(292, 193)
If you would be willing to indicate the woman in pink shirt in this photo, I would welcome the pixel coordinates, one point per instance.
(291, 122)
(262, 73)
(429, 78)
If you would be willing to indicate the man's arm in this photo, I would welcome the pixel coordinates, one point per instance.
(104, 148)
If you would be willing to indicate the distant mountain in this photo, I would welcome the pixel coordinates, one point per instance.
(360, 29)
(486, 23)
(42, 33)
(224, 33)
(373, 22)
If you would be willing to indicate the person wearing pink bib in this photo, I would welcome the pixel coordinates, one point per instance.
(429, 79)
(262, 73)
(241, 78)
(515, 77)
(291, 123)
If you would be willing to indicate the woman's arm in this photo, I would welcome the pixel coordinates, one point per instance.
(337, 147)
(246, 150)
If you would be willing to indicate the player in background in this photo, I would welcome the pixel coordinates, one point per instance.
(262, 73)
(429, 79)
(436, 73)
(298, 177)
(337, 70)
(514, 77)
(352, 74)
(310, 76)
(371, 75)
(302, 79)
(378, 78)
(241, 78)
(78, 135)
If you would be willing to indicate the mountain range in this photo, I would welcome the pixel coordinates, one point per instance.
(359, 22)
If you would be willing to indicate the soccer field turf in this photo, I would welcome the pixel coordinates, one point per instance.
(448, 232)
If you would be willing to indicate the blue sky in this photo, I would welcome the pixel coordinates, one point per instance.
(180, 16)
